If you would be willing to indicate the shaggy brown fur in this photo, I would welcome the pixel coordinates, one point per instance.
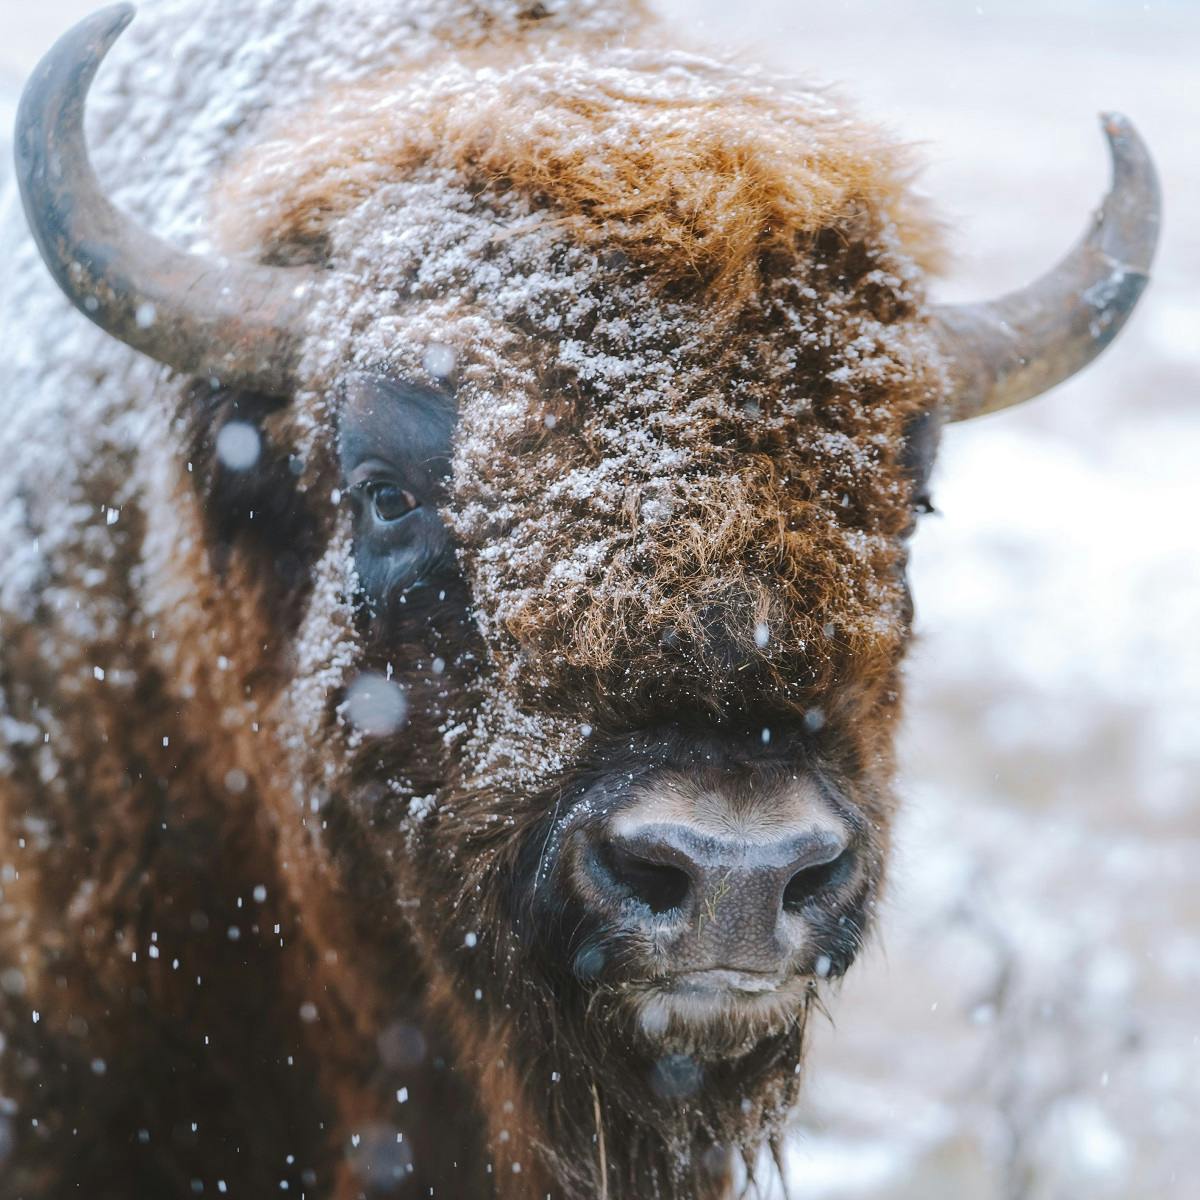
(687, 310)
(700, 182)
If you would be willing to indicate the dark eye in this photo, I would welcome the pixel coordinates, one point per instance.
(389, 502)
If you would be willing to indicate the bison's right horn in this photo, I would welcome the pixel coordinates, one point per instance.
(237, 322)
(1003, 352)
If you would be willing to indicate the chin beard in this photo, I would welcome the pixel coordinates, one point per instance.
(684, 1075)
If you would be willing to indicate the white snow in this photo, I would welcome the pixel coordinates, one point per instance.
(238, 445)
(375, 706)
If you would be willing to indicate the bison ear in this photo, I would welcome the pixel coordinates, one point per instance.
(1009, 350)
(240, 323)
(922, 436)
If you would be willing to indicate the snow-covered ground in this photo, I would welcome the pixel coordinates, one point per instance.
(1028, 1025)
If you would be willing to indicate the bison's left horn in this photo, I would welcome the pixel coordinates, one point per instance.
(203, 316)
(1012, 349)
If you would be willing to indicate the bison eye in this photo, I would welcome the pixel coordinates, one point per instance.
(394, 445)
(389, 502)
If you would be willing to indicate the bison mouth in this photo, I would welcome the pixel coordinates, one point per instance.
(717, 1013)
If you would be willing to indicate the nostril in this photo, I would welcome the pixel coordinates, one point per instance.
(809, 882)
(659, 886)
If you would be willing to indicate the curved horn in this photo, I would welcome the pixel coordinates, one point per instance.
(238, 322)
(1012, 349)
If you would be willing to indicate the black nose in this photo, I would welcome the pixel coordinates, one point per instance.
(732, 902)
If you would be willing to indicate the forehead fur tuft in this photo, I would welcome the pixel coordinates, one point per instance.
(699, 171)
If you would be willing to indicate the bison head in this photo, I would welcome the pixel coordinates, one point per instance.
(555, 430)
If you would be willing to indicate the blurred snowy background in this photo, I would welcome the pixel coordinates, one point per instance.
(1027, 1026)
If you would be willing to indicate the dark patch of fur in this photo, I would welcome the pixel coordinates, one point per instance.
(260, 511)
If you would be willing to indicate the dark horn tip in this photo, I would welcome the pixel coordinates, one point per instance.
(120, 14)
(50, 122)
(100, 30)
(115, 17)
(1115, 124)
(1133, 206)
(77, 52)
(105, 26)
(1126, 144)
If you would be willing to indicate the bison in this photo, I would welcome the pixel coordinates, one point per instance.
(452, 627)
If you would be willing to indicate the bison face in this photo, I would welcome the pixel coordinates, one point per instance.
(635, 786)
(647, 696)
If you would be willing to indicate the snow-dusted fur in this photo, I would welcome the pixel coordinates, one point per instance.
(246, 941)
